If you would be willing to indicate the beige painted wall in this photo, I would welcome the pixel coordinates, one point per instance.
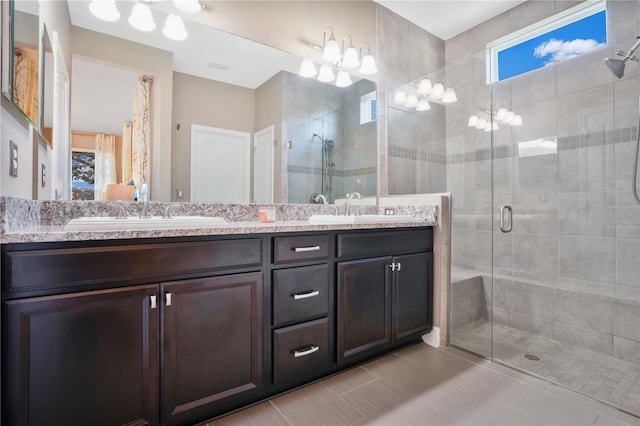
(146, 60)
(269, 112)
(207, 103)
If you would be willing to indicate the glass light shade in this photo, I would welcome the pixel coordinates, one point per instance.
(331, 51)
(517, 121)
(501, 115)
(449, 96)
(487, 127)
(509, 118)
(481, 124)
(188, 6)
(174, 28)
(368, 65)
(308, 69)
(350, 59)
(326, 74)
(141, 18)
(399, 97)
(423, 105)
(412, 101)
(424, 88)
(437, 92)
(473, 120)
(343, 79)
(494, 125)
(105, 10)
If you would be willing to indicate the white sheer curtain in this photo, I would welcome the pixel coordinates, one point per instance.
(105, 165)
(127, 165)
(141, 132)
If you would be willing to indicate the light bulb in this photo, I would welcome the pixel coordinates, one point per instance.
(105, 10)
(473, 120)
(141, 18)
(449, 96)
(423, 105)
(326, 74)
(331, 51)
(308, 69)
(437, 92)
(424, 88)
(188, 6)
(343, 79)
(351, 59)
(368, 65)
(174, 28)
(399, 97)
(412, 101)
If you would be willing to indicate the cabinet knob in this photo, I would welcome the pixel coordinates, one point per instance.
(307, 351)
(398, 266)
(392, 266)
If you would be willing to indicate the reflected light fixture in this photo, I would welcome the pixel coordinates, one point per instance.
(326, 74)
(330, 48)
(187, 6)
(423, 105)
(412, 101)
(141, 18)
(399, 97)
(517, 121)
(473, 120)
(105, 10)
(350, 59)
(437, 92)
(174, 28)
(481, 124)
(424, 88)
(343, 79)
(308, 69)
(368, 63)
(449, 96)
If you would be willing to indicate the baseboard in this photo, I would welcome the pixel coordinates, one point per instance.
(433, 338)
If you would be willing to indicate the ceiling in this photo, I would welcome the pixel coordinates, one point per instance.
(258, 62)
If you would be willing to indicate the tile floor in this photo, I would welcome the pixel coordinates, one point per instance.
(604, 377)
(421, 385)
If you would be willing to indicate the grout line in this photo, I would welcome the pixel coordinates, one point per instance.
(596, 419)
(281, 413)
(359, 386)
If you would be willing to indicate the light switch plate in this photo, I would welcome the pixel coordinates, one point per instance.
(13, 159)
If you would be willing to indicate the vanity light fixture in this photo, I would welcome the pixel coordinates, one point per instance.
(141, 18)
(174, 28)
(308, 69)
(350, 59)
(105, 10)
(501, 117)
(424, 88)
(399, 97)
(423, 105)
(343, 79)
(188, 6)
(330, 48)
(412, 101)
(437, 92)
(449, 96)
(368, 63)
(326, 74)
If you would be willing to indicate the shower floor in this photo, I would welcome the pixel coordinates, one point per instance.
(600, 376)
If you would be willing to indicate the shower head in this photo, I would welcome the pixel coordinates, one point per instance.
(327, 145)
(616, 66)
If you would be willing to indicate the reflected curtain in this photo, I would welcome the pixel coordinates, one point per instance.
(141, 131)
(127, 155)
(105, 165)
(25, 84)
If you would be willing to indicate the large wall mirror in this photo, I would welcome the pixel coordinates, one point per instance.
(234, 88)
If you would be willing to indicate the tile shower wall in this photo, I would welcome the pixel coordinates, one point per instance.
(570, 270)
(332, 113)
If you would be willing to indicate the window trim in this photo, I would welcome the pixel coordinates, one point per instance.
(559, 20)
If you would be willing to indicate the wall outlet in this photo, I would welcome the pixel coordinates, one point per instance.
(179, 194)
(390, 211)
(13, 159)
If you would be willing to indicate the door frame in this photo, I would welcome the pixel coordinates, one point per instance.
(268, 129)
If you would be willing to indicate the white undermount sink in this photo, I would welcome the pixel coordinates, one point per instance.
(328, 219)
(131, 222)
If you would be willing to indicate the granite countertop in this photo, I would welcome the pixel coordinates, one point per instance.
(31, 221)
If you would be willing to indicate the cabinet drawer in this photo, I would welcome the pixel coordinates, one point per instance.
(385, 243)
(300, 248)
(300, 294)
(301, 351)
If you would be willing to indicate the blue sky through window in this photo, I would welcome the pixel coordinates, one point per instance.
(575, 39)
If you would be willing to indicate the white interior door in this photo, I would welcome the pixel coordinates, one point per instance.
(264, 146)
(220, 165)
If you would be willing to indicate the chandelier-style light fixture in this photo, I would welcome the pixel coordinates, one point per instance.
(418, 93)
(496, 118)
(335, 60)
(141, 17)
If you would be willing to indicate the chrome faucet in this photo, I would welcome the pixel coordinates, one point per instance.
(350, 197)
(319, 197)
(144, 198)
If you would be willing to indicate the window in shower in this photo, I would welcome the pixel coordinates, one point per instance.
(82, 174)
(368, 106)
(568, 34)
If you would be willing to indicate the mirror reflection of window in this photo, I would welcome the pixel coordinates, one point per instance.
(26, 63)
(82, 174)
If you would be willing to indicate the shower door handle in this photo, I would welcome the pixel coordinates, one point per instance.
(506, 209)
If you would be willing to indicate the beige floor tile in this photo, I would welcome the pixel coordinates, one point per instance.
(264, 414)
(316, 405)
(349, 380)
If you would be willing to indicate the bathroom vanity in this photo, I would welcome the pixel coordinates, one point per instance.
(176, 330)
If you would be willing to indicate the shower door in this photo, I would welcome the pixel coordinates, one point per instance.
(566, 229)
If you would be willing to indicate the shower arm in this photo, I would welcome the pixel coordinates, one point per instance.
(629, 55)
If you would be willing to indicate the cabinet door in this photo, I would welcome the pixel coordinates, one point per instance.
(412, 295)
(212, 345)
(82, 359)
(364, 308)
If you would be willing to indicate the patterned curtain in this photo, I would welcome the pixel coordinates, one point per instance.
(141, 132)
(127, 165)
(105, 166)
(25, 83)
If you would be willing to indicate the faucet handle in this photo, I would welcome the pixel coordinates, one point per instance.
(121, 211)
(167, 212)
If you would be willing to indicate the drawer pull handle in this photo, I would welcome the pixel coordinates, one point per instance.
(312, 349)
(305, 249)
(311, 293)
(154, 303)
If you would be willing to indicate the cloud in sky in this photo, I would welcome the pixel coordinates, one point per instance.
(561, 49)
